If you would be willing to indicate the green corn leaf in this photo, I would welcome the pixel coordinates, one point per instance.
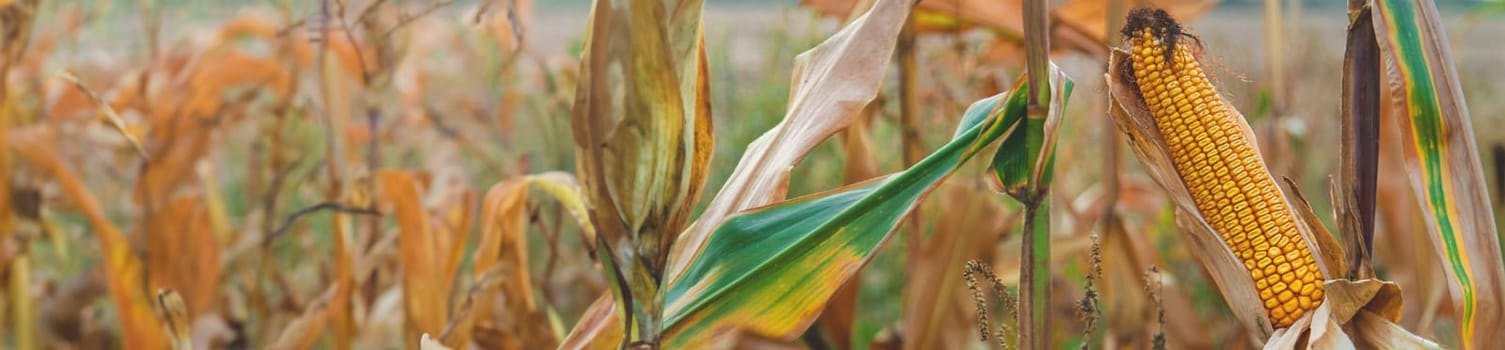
(770, 270)
(1016, 171)
(1424, 96)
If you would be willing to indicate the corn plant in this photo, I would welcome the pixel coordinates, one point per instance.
(754, 262)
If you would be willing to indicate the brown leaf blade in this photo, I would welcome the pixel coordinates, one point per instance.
(123, 268)
(423, 285)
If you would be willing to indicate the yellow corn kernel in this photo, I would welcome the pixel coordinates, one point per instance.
(1225, 174)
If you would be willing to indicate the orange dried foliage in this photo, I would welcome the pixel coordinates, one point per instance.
(298, 44)
(428, 250)
(123, 268)
(504, 242)
(182, 253)
(181, 125)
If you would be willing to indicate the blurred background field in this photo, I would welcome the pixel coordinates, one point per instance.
(467, 96)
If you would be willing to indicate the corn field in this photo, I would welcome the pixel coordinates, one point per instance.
(811, 174)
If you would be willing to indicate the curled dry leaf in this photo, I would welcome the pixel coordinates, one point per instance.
(178, 137)
(430, 249)
(1379, 298)
(503, 242)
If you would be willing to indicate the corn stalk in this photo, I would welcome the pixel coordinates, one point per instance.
(1033, 191)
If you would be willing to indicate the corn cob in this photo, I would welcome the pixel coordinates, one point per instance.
(1223, 171)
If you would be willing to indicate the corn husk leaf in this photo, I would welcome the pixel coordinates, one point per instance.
(642, 142)
(643, 158)
(1332, 252)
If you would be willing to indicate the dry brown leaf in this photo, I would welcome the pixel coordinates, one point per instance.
(503, 242)
(184, 120)
(182, 253)
(419, 250)
(857, 145)
(1380, 298)
(37, 146)
(1333, 258)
